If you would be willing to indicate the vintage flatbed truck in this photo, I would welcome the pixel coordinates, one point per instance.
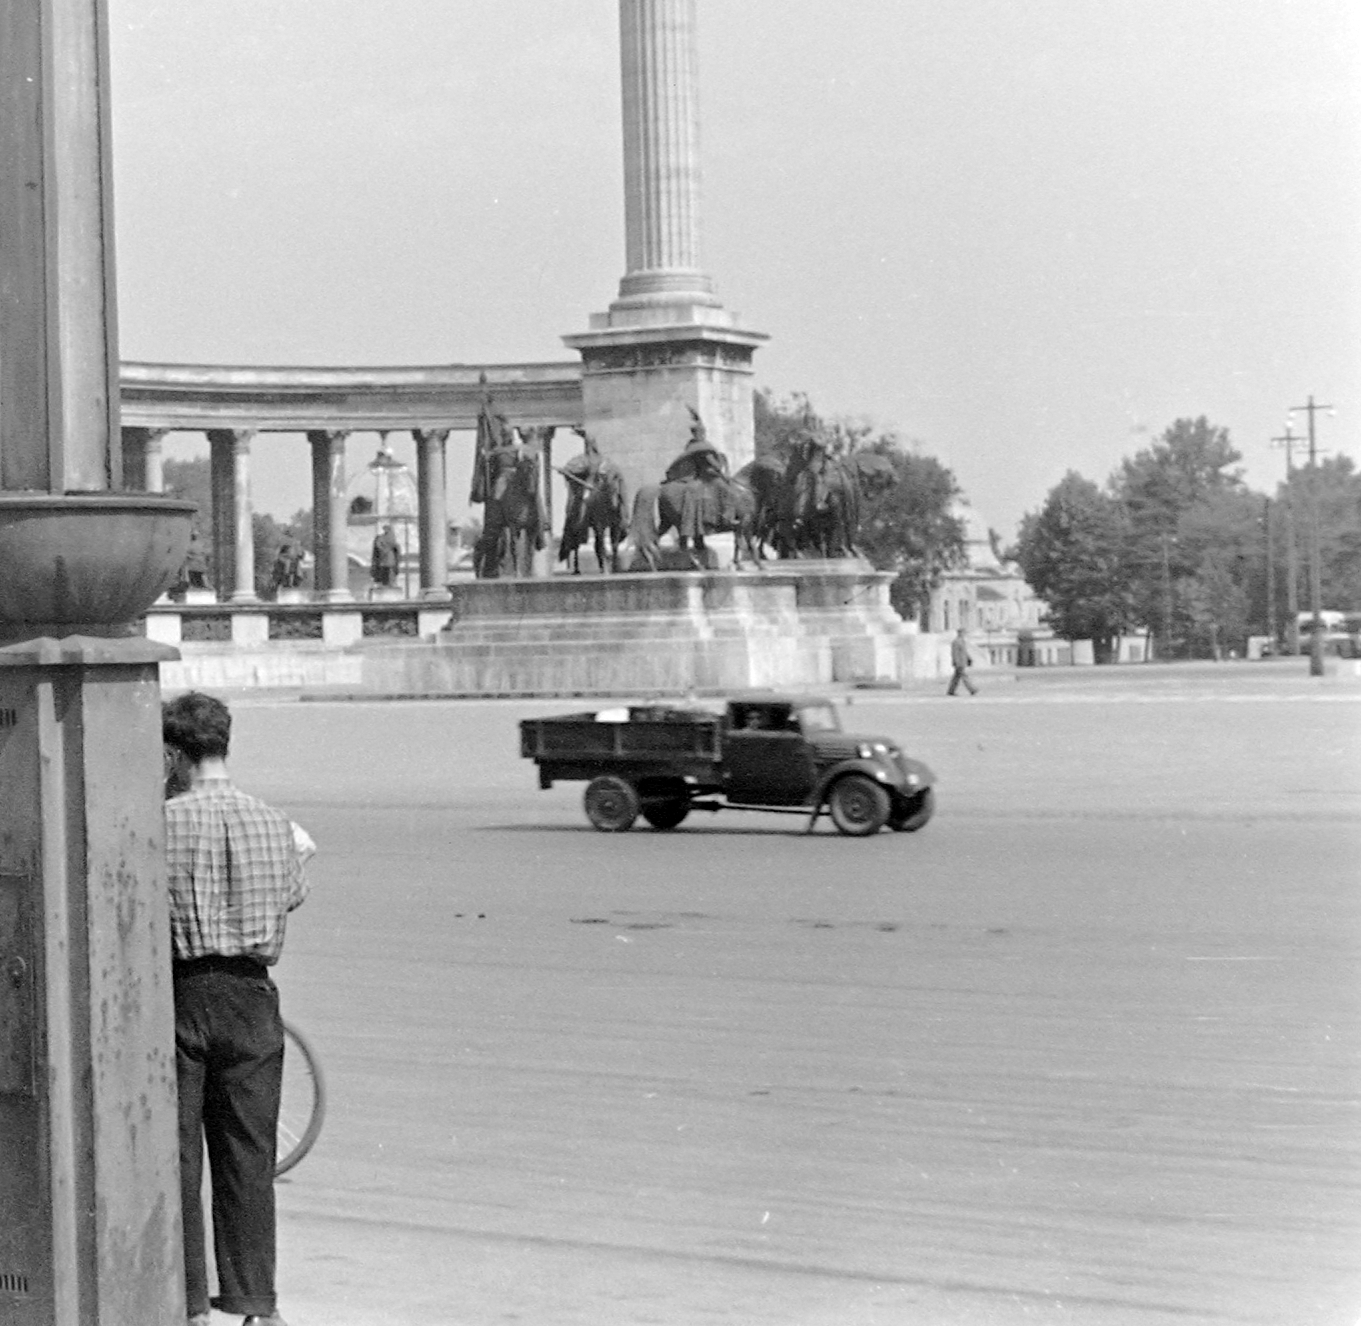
(769, 752)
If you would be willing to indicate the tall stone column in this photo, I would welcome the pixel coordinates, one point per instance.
(667, 345)
(233, 532)
(660, 79)
(432, 504)
(331, 577)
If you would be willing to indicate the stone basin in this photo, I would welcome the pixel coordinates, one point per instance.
(87, 560)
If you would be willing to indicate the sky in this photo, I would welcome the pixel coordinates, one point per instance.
(1023, 236)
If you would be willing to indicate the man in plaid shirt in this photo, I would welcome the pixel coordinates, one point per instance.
(235, 869)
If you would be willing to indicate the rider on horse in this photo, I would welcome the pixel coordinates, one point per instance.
(707, 499)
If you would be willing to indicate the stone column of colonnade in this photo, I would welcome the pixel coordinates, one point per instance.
(330, 513)
(233, 532)
(143, 464)
(432, 508)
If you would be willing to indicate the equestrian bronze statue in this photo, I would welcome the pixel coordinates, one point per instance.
(506, 480)
(596, 509)
(696, 498)
(810, 504)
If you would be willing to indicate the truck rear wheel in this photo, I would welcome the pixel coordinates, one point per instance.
(666, 814)
(859, 807)
(612, 803)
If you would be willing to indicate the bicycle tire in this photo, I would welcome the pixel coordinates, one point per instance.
(302, 1105)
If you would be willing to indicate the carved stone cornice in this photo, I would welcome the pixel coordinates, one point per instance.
(199, 397)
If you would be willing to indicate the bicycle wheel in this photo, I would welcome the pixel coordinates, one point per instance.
(303, 1104)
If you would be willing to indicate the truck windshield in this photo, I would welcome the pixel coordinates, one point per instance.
(818, 718)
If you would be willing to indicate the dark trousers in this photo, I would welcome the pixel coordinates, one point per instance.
(229, 1055)
(961, 675)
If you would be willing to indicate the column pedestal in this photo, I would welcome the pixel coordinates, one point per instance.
(88, 1108)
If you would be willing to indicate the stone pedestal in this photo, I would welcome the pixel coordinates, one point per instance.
(796, 627)
(88, 1119)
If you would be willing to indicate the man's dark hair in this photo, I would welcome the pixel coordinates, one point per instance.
(197, 724)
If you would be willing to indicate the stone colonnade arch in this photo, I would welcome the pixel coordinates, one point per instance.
(233, 405)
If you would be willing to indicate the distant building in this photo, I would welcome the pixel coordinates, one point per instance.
(989, 597)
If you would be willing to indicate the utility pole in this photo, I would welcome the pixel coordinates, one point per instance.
(1167, 597)
(1270, 576)
(1292, 560)
(1315, 547)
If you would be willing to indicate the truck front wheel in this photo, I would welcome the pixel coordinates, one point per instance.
(612, 803)
(914, 812)
(859, 807)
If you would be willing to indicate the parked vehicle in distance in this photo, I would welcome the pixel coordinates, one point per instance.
(771, 752)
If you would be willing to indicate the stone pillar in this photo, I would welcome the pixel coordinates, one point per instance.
(242, 512)
(330, 512)
(154, 461)
(58, 335)
(666, 346)
(143, 466)
(233, 534)
(432, 504)
(220, 466)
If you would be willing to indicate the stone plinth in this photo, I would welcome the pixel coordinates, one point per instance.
(88, 1143)
(812, 626)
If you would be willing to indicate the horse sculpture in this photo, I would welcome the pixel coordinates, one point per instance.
(810, 505)
(515, 521)
(595, 509)
(662, 507)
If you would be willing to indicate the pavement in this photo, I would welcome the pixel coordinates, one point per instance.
(1085, 1050)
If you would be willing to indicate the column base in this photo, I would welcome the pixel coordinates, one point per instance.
(640, 382)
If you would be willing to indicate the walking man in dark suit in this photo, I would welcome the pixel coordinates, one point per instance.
(961, 662)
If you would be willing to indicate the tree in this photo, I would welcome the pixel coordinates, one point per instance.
(1339, 515)
(191, 481)
(907, 529)
(1070, 552)
(1215, 605)
(1183, 498)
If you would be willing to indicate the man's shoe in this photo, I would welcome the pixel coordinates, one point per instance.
(270, 1319)
(201, 1319)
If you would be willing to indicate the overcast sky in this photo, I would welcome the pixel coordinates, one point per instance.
(1025, 235)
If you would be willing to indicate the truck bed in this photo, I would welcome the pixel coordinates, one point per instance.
(644, 739)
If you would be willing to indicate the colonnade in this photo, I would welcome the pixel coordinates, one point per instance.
(233, 550)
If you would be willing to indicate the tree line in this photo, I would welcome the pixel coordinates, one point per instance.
(1176, 545)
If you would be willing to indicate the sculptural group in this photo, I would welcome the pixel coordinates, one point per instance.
(807, 502)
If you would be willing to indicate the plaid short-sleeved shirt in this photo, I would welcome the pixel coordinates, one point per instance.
(234, 872)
